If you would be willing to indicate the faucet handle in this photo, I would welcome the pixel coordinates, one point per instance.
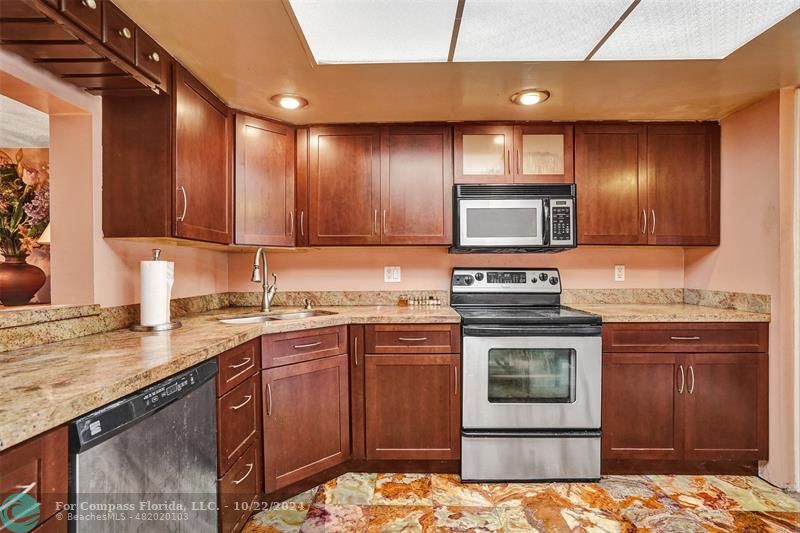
(274, 281)
(307, 304)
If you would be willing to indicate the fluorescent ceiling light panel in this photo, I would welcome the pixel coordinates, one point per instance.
(377, 31)
(692, 29)
(534, 30)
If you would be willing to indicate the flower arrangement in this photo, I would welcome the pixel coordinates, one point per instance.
(24, 204)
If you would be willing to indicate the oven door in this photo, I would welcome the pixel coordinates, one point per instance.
(532, 382)
(507, 222)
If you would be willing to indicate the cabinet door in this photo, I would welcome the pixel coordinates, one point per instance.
(543, 153)
(357, 412)
(301, 188)
(642, 406)
(683, 184)
(726, 406)
(482, 153)
(610, 175)
(416, 185)
(202, 163)
(306, 419)
(344, 179)
(413, 409)
(264, 182)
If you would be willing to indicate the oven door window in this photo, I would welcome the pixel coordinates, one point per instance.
(532, 375)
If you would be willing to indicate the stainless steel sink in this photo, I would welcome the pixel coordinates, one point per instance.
(250, 319)
(301, 314)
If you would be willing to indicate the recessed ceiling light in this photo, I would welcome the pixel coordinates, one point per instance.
(530, 97)
(288, 101)
(376, 31)
(692, 29)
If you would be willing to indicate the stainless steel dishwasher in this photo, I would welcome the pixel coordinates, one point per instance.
(148, 462)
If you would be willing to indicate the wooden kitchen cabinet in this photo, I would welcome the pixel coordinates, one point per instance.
(671, 407)
(543, 153)
(416, 185)
(306, 417)
(611, 178)
(265, 182)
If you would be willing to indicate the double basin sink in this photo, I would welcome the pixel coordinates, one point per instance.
(263, 317)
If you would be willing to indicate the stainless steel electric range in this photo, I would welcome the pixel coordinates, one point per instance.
(532, 376)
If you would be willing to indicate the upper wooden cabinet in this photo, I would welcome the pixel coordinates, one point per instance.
(379, 185)
(265, 161)
(528, 153)
(648, 184)
(202, 162)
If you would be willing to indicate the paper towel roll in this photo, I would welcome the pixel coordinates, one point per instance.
(156, 288)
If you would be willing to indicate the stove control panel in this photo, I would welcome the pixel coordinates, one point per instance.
(510, 280)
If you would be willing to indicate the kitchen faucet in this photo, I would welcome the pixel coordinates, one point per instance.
(268, 291)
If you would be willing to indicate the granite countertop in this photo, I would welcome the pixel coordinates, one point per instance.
(668, 313)
(44, 386)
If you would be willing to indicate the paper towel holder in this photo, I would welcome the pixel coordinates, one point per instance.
(174, 324)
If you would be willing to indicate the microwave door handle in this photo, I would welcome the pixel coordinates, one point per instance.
(546, 223)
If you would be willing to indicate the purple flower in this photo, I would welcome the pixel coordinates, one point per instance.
(38, 209)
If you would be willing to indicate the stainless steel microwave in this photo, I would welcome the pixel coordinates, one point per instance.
(500, 218)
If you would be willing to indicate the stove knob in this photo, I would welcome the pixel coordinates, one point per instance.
(479, 276)
(469, 280)
(534, 280)
(543, 276)
(553, 281)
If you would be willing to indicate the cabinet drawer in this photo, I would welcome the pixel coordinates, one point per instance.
(86, 13)
(686, 337)
(298, 346)
(239, 488)
(119, 32)
(238, 364)
(413, 338)
(237, 420)
(39, 468)
(150, 57)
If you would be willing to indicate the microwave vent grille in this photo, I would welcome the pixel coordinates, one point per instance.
(504, 190)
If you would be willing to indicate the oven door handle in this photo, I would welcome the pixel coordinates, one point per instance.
(532, 331)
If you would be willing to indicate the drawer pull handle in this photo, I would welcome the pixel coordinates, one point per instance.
(679, 338)
(237, 407)
(154, 57)
(269, 399)
(691, 379)
(91, 4)
(412, 339)
(25, 489)
(682, 381)
(309, 345)
(247, 475)
(245, 361)
(125, 33)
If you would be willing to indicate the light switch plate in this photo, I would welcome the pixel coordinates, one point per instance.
(619, 272)
(391, 274)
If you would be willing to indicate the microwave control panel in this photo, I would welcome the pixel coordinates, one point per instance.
(562, 222)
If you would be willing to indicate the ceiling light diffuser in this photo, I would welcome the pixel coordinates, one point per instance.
(692, 29)
(288, 101)
(376, 31)
(534, 30)
(530, 97)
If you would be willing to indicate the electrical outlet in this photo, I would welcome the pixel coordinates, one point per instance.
(391, 274)
(619, 272)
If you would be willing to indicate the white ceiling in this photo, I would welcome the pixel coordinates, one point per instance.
(22, 126)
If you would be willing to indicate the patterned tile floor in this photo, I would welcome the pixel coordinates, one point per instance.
(434, 502)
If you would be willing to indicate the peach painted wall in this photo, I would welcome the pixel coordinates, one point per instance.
(429, 268)
(756, 244)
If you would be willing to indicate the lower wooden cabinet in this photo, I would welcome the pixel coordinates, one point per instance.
(413, 407)
(306, 415)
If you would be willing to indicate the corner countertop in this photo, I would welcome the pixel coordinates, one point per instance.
(668, 313)
(44, 386)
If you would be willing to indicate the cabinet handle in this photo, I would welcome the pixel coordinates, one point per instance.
(691, 379)
(412, 339)
(519, 162)
(644, 221)
(269, 399)
(653, 227)
(91, 4)
(291, 223)
(455, 376)
(11, 500)
(185, 204)
(247, 475)
(375, 221)
(508, 160)
(154, 57)
(237, 407)
(677, 338)
(311, 345)
(355, 349)
(245, 361)
(125, 33)
(302, 225)
(682, 381)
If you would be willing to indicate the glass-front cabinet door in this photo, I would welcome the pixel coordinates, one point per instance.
(483, 154)
(543, 153)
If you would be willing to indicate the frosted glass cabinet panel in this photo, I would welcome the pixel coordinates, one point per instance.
(483, 153)
(543, 153)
